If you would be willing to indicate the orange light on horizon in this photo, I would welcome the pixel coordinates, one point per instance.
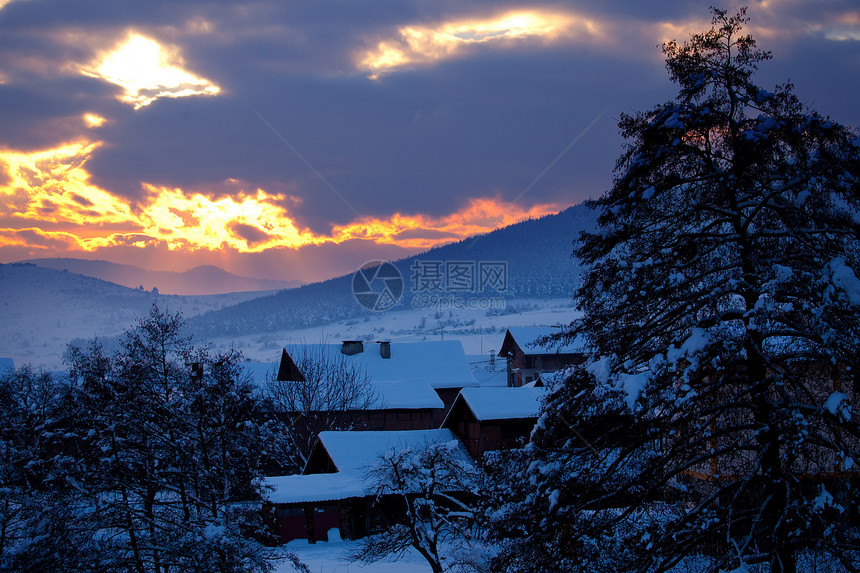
(48, 202)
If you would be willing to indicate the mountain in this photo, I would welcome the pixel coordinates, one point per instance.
(537, 253)
(44, 309)
(203, 280)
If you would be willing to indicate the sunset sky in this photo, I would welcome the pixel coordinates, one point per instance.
(297, 140)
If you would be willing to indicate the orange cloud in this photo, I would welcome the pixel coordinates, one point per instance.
(93, 120)
(480, 215)
(48, 203)
(147, 70)
(417, 44)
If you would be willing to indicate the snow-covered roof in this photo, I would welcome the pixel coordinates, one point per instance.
(438, 363)
(257, 371)
(352, 453)
(488, 374)
(312, 488)
(525, 337)
(502, 403)
(491, 378)
(400, 396)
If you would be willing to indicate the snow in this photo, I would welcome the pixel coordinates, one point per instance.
(695, 343)
(825, 500)
(313, 487)
(257, 371)
(476, 329)
(525, 337)
(633, 386)
(45, 309)
(503, 403)
(213, 532)
(329, 557)
(845, 279)
(406, 396)
(601, 369)
(488, 374)
(353, 452)
(439, 363)
(834, 405)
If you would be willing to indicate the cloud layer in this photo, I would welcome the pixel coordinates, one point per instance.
(266, 135)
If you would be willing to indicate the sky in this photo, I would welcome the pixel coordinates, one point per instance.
(298, 140)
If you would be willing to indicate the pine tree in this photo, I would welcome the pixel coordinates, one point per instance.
(723, 309)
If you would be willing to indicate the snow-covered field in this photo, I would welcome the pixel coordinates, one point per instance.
(478, 330)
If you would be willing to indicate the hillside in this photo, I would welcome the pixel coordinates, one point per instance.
(537, 253)
(203, 280)
(44, 309)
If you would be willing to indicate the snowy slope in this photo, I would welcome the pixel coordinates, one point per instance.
(537, 253)
(42, 310)
(480, 331)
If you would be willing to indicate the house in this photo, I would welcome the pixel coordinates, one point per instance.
(331, 491)
(414, 383)
(489, 419)
(528, 356)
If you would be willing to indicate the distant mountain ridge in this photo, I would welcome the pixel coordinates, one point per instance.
(202, 280)
(537, 253)
(43, 309)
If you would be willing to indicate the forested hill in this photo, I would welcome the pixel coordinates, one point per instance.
(537, 252)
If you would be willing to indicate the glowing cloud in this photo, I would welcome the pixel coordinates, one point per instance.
(846, 27)
(147, 71)
(479, 215)
(48, 204)
(93, 120)
(427, 44)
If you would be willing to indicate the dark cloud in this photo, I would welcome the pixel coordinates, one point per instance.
(249, 233)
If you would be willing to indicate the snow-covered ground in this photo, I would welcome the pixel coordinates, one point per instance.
(478, 330)
(329, 557)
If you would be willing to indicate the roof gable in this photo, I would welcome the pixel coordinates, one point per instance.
(500, 403)
(525, 337)
(287, 370)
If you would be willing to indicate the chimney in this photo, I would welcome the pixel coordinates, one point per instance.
(385, 349)
(351, 347)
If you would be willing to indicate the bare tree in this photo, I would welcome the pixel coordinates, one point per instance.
(434, 484)
(329, 394)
